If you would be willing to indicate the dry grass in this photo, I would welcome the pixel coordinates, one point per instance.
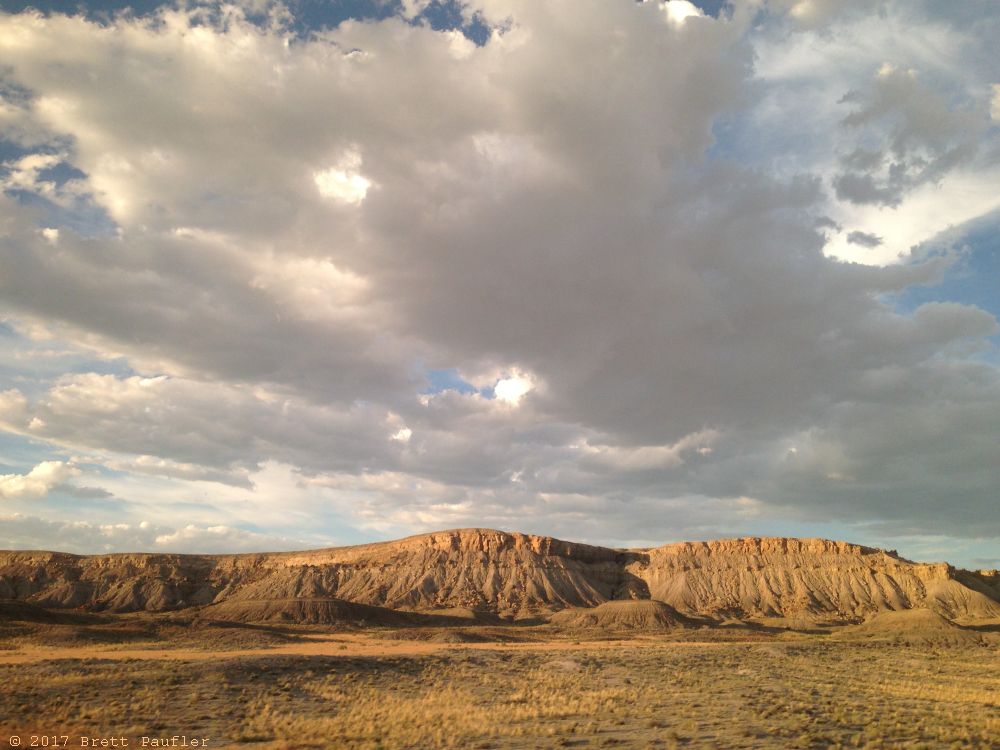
(656, 693)
(131, 632)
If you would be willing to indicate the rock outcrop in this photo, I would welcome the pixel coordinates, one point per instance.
(640, 615)
(511, 574)
(912, 626)
(780, 577)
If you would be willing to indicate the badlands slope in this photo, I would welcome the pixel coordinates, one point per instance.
(510, 575)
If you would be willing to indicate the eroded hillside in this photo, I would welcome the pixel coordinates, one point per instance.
(790, 577)
(514, 575)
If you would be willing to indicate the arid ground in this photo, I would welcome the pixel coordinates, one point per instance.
(529, 686)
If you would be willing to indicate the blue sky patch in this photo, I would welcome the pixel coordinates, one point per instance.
(439, 381)
(974, 279)
(307, 15)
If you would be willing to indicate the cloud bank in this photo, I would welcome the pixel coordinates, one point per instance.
(601, 220)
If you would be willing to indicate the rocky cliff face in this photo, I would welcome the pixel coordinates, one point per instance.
(514, 574)
(794, 577)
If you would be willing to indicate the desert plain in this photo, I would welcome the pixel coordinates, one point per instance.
(482, 639)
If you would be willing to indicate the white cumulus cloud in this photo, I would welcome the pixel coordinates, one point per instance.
(38, 482)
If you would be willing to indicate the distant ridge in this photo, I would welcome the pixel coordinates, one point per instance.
(511, 575)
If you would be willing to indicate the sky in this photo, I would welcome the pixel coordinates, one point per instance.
(293, 275)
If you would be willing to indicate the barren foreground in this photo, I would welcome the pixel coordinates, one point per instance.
(492, 687)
